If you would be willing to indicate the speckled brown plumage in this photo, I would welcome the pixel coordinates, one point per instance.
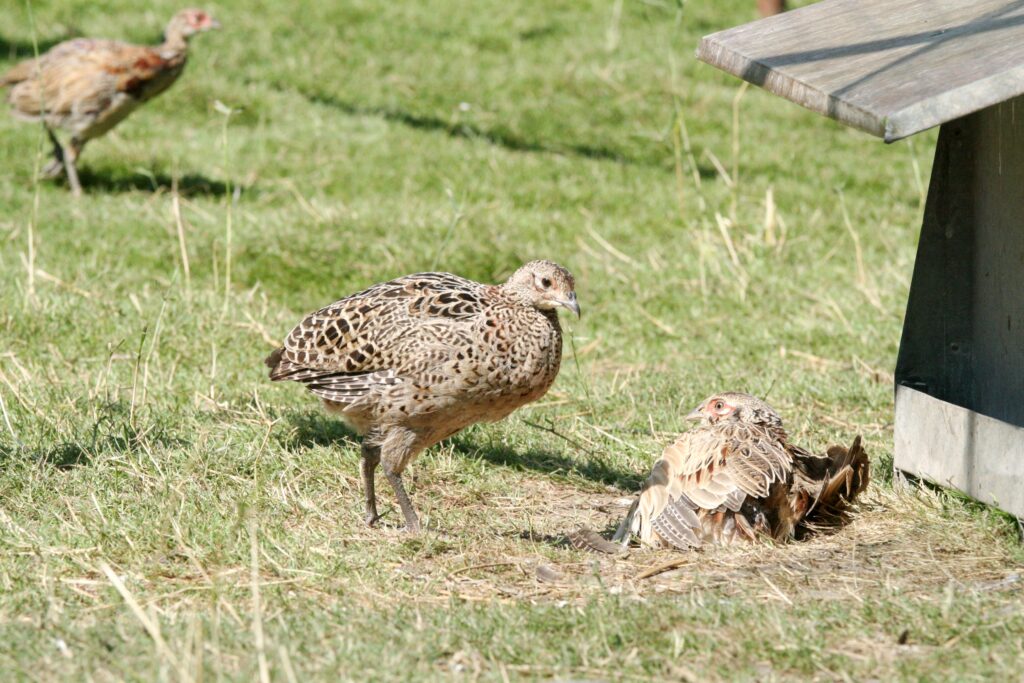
(736, 478)
(412, 361)
(87, 86)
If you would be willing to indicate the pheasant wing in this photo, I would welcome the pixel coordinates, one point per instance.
(708, 469)
(378, 335)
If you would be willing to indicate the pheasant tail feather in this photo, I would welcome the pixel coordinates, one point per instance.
(849, 476)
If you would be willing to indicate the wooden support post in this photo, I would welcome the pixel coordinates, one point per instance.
(960, 373)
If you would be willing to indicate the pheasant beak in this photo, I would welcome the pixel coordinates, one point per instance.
(695, 414)
(571, 304)
(214, 25)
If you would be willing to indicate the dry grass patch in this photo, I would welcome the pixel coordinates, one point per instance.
(899, 543)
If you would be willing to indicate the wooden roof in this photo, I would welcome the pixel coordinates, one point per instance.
(889, 67)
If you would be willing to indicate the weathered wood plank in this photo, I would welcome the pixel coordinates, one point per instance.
(890, 67)
(953, 446)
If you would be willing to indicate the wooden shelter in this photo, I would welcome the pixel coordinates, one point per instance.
(894, 68)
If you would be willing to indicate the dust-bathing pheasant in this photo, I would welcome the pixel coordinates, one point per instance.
(736, 478)
(412, 361)
(87, 86)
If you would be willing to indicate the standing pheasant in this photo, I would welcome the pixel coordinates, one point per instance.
(87, 86)
(412, 361)
(735, 478)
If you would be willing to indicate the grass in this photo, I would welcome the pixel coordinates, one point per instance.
(168, 514)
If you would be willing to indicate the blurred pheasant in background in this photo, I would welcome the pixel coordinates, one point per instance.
(736, 478)
(412, 361)
(87, 86)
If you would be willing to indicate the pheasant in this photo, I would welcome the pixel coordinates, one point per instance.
(87, 86)
(410, 362)
(736, 478)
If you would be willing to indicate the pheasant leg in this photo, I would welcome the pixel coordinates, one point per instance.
(371, 458)
(56, 165)
(412, 522)
(70, 159)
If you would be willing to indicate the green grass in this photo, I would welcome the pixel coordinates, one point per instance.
(146, 459)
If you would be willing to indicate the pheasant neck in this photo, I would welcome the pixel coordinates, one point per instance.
(552, 315)
(175, 42)
(514, 292)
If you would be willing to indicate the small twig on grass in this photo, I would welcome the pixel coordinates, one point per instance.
(607, 246)
(778, 592)
(612, 437)
(723, 227)
(660, 569)
(43, 275)
(771, 386)
(664, 327)
(304, 203)
(259, 329)
(726, 178)
(551, 430)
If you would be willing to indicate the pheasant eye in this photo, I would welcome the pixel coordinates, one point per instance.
(719, 405)
(546, 283)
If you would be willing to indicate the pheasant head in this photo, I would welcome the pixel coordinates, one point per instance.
(187, 23)
(732, 406)
(545, 285)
